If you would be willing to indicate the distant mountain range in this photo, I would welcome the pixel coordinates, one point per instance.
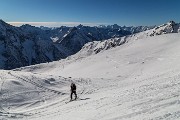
(29, 45)
(98, 46)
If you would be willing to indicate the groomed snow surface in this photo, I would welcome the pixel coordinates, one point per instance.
(139, 80)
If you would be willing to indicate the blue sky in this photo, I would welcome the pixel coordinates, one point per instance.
(90, 12)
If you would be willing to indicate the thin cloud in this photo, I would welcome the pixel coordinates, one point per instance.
(54, 24)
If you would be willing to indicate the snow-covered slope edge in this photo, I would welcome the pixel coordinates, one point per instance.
(98, 46)
(29, 45)
(23, 94)
(74, 65)
(136, 81)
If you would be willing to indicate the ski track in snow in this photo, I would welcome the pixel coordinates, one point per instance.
(42, 110)
(34, 83)
(141, 98)
(123, 83)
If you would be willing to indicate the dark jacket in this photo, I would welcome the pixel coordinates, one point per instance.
(73, 87)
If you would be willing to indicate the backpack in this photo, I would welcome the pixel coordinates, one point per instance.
(73, 86)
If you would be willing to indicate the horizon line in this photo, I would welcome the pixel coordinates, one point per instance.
(55, 24)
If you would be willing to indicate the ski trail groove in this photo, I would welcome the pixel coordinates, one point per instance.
(44, 111)
(36, 84)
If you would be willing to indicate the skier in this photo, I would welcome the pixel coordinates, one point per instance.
(73, 90)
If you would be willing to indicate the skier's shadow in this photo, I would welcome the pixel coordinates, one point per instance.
(84, 98)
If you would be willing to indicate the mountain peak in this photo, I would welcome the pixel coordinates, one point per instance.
(4, 25)
(26, 25)
(2, 22)
(80, 26)
(171, 23)
(115, 26)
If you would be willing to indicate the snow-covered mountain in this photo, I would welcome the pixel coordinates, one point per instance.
(132, 29)
(139, 80)
(28, 45)
(98, 46)
(76, 37)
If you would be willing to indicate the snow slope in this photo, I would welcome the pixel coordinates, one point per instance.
(28, 45)
(150, 51)
(98, 46)
(138, 80)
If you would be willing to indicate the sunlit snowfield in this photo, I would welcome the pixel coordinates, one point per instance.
(139, 80)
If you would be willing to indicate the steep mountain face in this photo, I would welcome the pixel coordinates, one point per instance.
(131, 29)
(76, 37)
(24, 46)
(98, 46)
(170, 27)
(29, 45)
